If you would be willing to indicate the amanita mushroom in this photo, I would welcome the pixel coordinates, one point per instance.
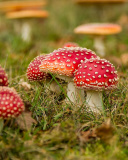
(21, 5)
(25, 15)
(98, 30)
(3, 77)
(11, 105)
(96, 75)
(70, 44)
(34, 73)
(63, 62)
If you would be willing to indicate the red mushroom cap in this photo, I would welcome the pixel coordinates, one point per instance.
(70, 44)
(3, 77)
(64, 61)
(11, 105)
(96, 74)
(33, 71)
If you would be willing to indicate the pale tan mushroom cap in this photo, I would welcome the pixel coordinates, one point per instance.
(99, 1)
(27, 14)
(19, 5)
(98, 29)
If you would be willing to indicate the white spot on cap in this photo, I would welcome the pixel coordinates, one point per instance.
(68, 60)
(105, 75)
(90, 68)
(99, 76)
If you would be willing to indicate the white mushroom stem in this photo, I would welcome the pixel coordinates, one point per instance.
(23, 28)
(94, 101)
(52, 86)
(74, 94)
(99, 45)
(26, 31)
(1, 124)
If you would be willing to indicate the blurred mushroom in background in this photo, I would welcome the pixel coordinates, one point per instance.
(23, 12)
(9, 6)
(98, 31)
(23, 18)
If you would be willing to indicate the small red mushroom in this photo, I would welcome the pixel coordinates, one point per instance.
(34, 73)
(3, 77)
(63, 62)
(70, 44)
(96, 75)
(11, 105)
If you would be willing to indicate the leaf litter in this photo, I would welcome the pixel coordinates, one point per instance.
(105, 133)
(25, 121)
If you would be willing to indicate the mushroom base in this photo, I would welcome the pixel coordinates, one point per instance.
(74, 95)
(94, 101)
(52, 86)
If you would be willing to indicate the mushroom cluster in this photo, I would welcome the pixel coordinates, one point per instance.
(63, 62)
(83, 70)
